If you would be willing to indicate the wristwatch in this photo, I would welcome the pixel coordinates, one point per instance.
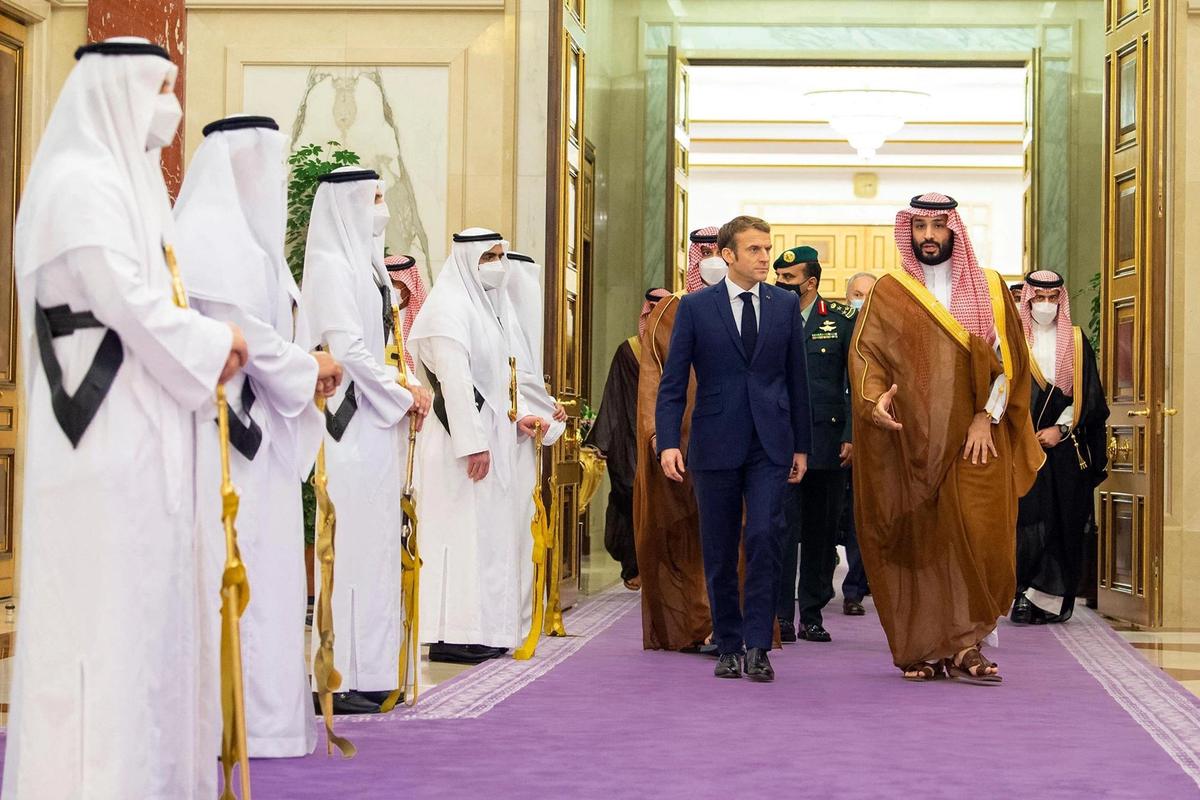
(1065, 430)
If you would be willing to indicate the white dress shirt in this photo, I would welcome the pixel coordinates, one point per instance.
(1045, 352)
(735, 302)
(940, 283)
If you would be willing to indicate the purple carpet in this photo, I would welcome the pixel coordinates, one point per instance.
(1080, 715)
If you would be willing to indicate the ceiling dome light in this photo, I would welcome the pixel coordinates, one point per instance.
(867, 117)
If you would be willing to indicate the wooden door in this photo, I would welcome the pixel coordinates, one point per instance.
(844, 250)
(12, 72)
(1130, 511)
(678, 144)
(566, 286)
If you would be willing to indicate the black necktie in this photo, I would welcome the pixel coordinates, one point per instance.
(749, 324)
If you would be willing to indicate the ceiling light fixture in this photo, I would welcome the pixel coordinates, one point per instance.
(867, 117)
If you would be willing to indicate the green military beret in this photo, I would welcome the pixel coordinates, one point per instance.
(797, 255)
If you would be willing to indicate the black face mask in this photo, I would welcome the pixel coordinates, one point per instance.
(791, 287)
(943, 254)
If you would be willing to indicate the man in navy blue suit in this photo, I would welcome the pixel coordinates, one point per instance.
(750, 436)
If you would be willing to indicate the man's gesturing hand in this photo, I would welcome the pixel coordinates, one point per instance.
(881, 415)
(672, 464)
(979, 439)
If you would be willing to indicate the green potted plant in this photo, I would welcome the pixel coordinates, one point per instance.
(306, 165)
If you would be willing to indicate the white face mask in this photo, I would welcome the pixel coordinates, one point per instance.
(713, 270)
(857, 302)
(379, 219)
(1044, 313)
(164, 122)
(491, 275)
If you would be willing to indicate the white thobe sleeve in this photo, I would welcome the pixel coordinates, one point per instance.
(284, 372)
(448, 360)
(371, 379)
(998, 398)
(181, 349)
(532, 398)
(1067, 416)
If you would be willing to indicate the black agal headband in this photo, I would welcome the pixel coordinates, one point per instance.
(949, 204)
(240, 123)
(1054, 283)
(702, 238)
(121, 49)
(460, 238)
(511, 256)
(402, 263)
(349, 176)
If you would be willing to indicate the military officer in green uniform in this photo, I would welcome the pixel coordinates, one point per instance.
(813, 507)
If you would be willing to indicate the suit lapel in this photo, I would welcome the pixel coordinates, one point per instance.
(720, 297)
(765, 315)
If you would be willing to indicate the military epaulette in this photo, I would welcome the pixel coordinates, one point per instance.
(846, 311)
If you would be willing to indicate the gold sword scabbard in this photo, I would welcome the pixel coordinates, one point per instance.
(512, 388)
(235, 589)
(410, 560)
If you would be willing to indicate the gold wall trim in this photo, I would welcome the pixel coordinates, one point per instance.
(29, 11)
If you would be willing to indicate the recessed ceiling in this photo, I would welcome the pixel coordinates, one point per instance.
(974, 94)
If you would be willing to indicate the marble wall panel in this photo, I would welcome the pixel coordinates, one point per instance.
(1054, 187)
(396, 118)
(654, 174)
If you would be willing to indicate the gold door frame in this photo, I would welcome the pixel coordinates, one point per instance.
(13, 39)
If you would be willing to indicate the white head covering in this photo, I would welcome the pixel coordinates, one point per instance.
(231, 216)
(525, 295)
(93, 183)
(479, 319)
(339, 240)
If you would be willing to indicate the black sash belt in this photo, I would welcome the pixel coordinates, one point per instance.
(439, 402)
(245, 438)
(76, 412)
(336, 423)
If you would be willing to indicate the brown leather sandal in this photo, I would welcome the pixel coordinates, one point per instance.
(924, 672)
(971, 669)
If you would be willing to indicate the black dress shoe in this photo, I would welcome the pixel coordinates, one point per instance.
(815, 633)
(378, 697)
(463, 653)
(1022, 611)
(787, 631)
(711, 649)
(853, 608)
(729, 665)
(758, 666)
(348, 703)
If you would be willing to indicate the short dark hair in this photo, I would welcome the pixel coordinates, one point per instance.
(735, 226)
(812, 269)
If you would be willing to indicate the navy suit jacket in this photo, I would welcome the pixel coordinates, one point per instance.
(738, 394)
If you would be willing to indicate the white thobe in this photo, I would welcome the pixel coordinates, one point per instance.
(270, 526)
(366, 469)
(471, 547)
(1045, 352)
(939, 281)
(106, 699)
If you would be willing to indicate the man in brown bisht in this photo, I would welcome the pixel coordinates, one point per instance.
(615, 433)
(944, 446)
(675, 613)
